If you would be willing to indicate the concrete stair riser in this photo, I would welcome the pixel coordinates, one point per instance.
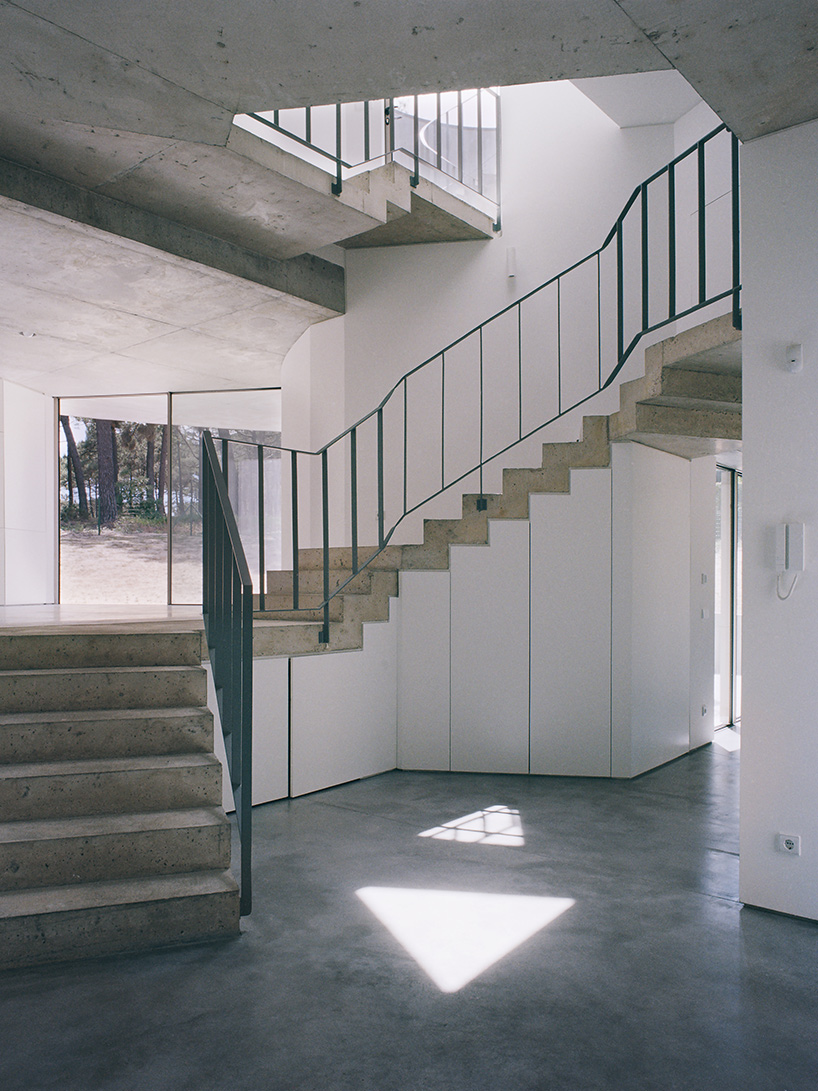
(89, 849)
(102, 786)
(703, 385)
(57, 736)
(31, 651)
(54, 924)
(102, 688)
(311, 582)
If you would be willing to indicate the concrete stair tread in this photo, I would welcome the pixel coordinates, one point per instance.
(101, 894)
(96, 766)
(96, 672)
(683, 402)
(46, 829)
(63, 716)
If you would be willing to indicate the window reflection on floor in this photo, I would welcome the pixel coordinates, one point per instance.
(455, 935)
(496, 825)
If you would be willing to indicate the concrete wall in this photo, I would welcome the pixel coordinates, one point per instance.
(779, 739)
(27, 496)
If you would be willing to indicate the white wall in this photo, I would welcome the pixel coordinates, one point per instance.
(650, 608)
(779, 739)
(27, 496)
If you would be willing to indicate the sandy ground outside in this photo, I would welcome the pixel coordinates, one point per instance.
(128, 566)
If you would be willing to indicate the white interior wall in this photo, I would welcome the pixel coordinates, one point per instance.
(571, 628)
(779, 740)
(650, 691)
(28, 492)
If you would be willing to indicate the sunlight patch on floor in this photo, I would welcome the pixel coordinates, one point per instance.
(493, 826)
(727, 739)
(456, 935)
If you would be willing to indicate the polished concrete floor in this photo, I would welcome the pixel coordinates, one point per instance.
(653, 978)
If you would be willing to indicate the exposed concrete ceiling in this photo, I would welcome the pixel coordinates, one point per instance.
(184, 70)
(134, 103)
(82, 311)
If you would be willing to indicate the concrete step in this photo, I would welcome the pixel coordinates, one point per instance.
(702, 385)
(666, 417)
(78, 734)
(340, 558)
(102, 688)
(57, 852)
(106, 785)
(52, 924)
(32, 651)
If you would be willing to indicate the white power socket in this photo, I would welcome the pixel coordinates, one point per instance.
(789, 843)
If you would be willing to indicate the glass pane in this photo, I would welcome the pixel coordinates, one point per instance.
(242, 419)
(113, 527)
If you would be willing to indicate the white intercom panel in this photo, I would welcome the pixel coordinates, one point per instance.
(789, 547)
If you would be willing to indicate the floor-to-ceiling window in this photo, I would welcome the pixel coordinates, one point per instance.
(130, 519)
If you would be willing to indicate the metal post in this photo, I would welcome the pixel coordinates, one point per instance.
(337, 185)
(294, 491)
(324, 636)
(262, 575)
(380, 479)
(353, 474)
(620, 296)
(415, 178)
(671, 240)
(645, 253)
(736, 211)
(702, 226)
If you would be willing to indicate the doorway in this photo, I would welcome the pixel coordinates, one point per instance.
(728, 612)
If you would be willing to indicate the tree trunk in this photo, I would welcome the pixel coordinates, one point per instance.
(150, 460)
(106, 473)
(74, 461)
(163, 468)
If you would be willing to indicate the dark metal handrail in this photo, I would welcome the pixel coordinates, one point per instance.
(227, 597)
(371, 128)
(651, 316)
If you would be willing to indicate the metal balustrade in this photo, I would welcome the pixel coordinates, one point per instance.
(642, 278)
(443, 136)
(227, 598)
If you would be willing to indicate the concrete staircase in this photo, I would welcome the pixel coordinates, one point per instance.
(688, 403)
(112, 835)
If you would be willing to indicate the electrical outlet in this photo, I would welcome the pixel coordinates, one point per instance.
(789, 843)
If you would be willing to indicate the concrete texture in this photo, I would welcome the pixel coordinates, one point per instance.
(655, 978)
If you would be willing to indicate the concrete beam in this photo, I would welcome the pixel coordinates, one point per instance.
(306, 277)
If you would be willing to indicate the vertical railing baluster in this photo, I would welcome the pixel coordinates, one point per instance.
(443, 420)
(480, 502)
(294, 492)
(246, 851)
(671, 240)
(324, 637)
(415, 178)
(736, 231)
(519, 371)
(262, 575)
(599, 319)
(367, 149)
(353, 497)
(380, 479)
(405, 441)
(620, 295)
(337, 185)
(645, 258)
(308, 124)
(702, 226)
(559, 346)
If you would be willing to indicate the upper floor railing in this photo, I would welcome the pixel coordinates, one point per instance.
(673, 250)
(452, 138)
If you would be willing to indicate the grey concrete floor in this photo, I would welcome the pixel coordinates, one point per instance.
(656, 978)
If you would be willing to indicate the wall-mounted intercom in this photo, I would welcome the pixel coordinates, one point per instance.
(789, 554)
